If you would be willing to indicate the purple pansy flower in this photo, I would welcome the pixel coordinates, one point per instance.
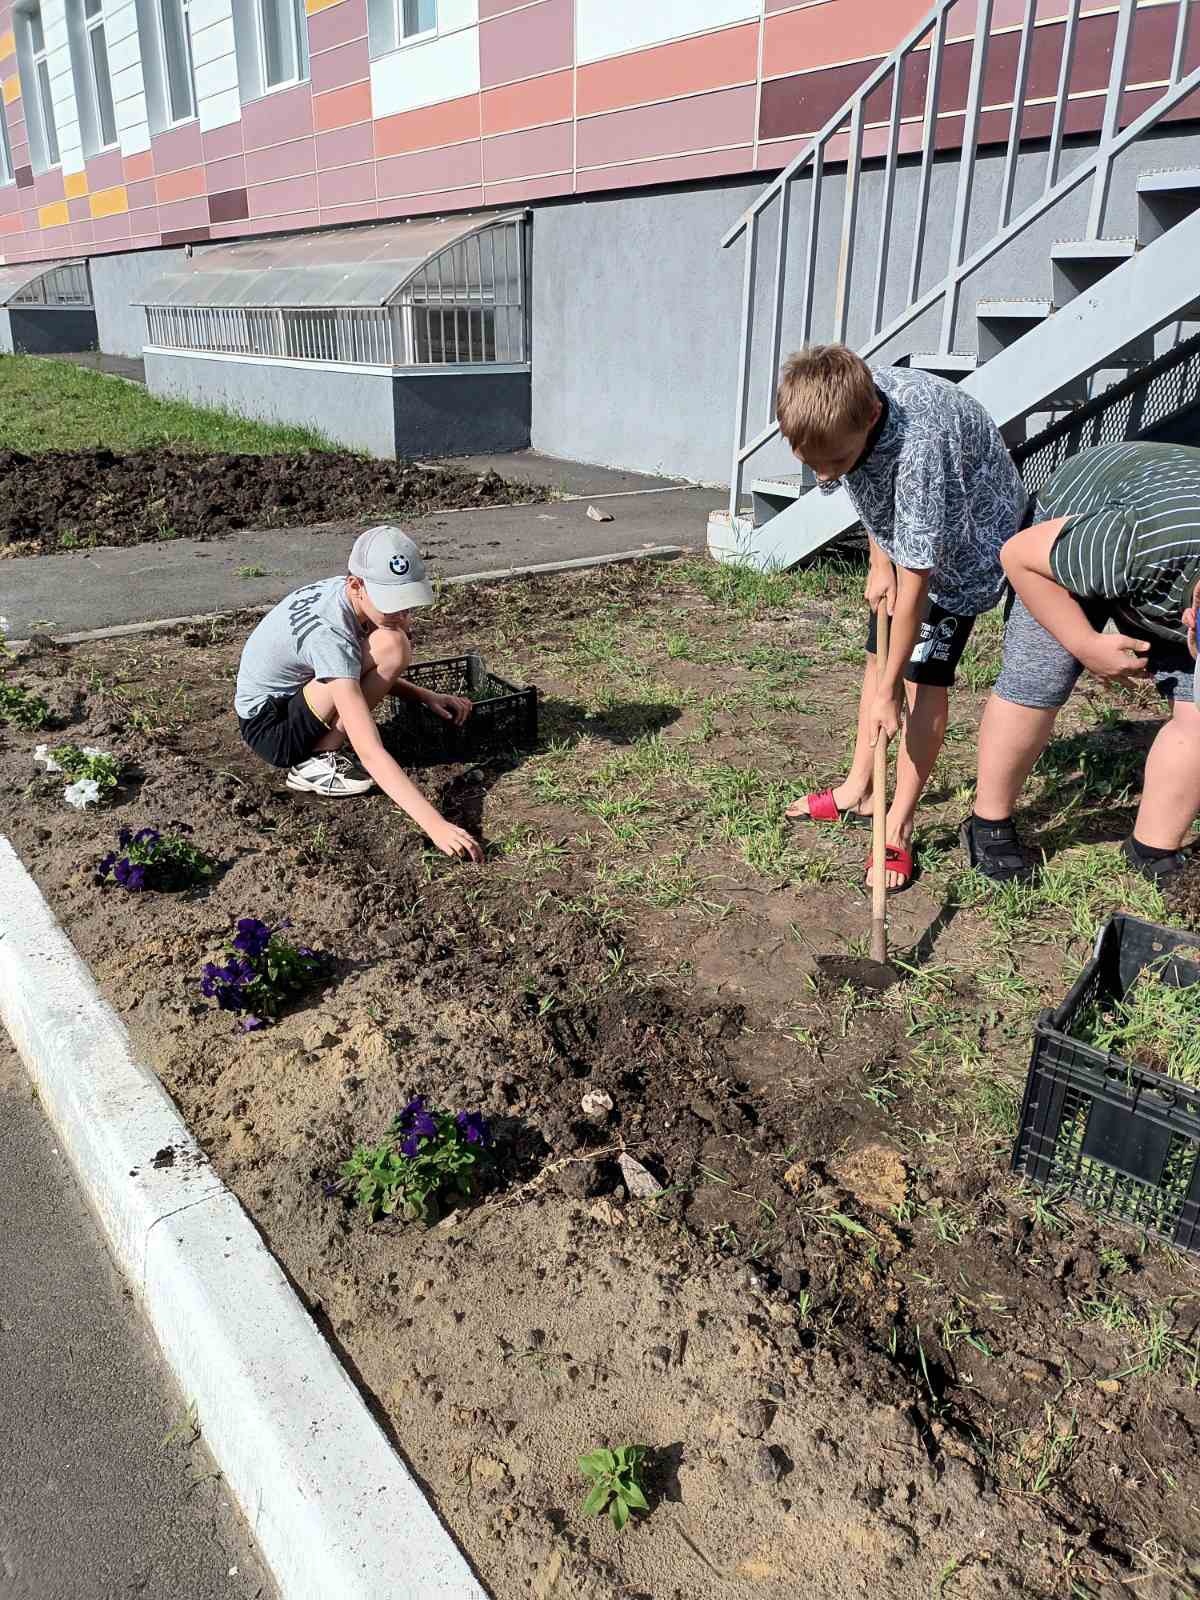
(474, 1128)
(252, 937)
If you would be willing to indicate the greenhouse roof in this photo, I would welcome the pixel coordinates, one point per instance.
(361, 267)
(20, 275)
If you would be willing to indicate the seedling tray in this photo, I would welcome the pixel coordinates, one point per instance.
(1121, 1140)
(504, 717)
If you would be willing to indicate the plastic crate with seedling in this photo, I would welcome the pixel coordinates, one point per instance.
(1111, 1116)
(503, 716)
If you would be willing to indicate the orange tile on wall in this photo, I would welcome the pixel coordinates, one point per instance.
(75, 185)
(341, 108)
(185, 184)
(54, 216)
(843, 30)
(711, 61)
(313, 6)
(110, 202)
(12, 89)
(448, 123)
(524, 105)
(139, 167)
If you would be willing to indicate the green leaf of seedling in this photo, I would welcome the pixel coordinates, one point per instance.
(619, 1512)
(598, 1462)
(597, 1498)
(629, 1457)
(632, 1494)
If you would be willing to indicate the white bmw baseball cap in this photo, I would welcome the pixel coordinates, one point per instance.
(390, 566)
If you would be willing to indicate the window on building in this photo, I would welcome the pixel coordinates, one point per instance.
(394, 22)
(179, 75)
(6, 166)
(95, 96)
(35, 86)
(282, 41)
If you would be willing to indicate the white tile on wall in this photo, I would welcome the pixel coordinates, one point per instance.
(611, 27)
(423, 74)
(128, 77)
(62, 85)
(454, 14)
(214, 54)
(219, 110)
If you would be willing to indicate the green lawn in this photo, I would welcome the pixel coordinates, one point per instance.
(53, 405)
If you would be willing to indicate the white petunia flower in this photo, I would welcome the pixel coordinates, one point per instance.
(84, 792)
(44, 759)
(93, 750)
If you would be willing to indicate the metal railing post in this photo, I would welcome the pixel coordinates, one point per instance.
(933, 89)
(1020, 85)
(744, 351)
(1112, 113)
(1181, 40)
(845, 266)
(811, 239)
(1062, 94)
(966, 172)
(889, 200)
(785, 209)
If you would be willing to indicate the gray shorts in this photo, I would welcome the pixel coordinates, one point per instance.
(1038, 672)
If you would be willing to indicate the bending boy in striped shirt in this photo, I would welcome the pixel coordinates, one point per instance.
(1115, 537)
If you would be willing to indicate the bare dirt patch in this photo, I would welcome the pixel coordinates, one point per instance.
(866, 1362)
(62, 499)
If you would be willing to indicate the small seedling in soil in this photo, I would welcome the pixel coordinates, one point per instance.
(251, 571)
(150, 859)
(21, 708)
(263, 973)
(426, 1157)
(93, 772)
(1155, 1025)
(616, 1483)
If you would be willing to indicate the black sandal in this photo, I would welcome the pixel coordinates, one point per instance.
(998, 856)
(1156, 869)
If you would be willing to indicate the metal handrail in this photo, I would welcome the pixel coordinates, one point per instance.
(842, 140)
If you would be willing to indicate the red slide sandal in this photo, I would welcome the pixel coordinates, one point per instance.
(822, 807)
(897, 859)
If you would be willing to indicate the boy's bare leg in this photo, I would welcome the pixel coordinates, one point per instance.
(387, 655)
(854, 793)
(1171, 786)
(920, 744)
(1011, 738)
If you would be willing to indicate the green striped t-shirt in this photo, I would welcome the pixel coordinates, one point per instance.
(1134, 533)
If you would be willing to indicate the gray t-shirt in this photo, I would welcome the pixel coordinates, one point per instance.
(939, 492)
(313, 633)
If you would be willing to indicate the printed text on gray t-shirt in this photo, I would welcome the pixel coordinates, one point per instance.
(312, 633)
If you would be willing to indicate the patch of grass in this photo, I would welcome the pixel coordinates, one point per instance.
(250, 571)
(54, 405)
(1154, 1024)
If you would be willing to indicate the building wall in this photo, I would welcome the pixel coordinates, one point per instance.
(118, 281)
(511, 101)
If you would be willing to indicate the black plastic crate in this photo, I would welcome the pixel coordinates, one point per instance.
(503, 718)
(1120, 1139)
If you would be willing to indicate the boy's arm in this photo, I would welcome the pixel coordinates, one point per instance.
(454, 708)
(881, 578)
(363, 734)
(907, 614)
(1026, 559)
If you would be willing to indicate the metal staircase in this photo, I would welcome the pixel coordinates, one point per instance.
(1056, 322)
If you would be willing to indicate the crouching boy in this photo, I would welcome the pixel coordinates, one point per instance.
(317, 665)
(1115, 537)
(936, 489)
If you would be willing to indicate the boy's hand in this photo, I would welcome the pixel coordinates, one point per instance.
(452, 841)
(1115, 655)
(883, 716)
(881, 585)
(455, 708)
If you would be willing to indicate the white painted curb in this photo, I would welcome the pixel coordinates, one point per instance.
(335, 1512)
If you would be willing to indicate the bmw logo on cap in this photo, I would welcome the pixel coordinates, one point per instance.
(399, 565)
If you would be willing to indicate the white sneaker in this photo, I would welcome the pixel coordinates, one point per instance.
(331, 775)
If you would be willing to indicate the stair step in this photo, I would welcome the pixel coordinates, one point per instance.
(951, 364)
(1169, 180)
(1093, 250)
(786, 486)
(1014, 310)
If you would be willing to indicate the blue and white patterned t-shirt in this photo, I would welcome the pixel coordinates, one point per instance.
(939, 491)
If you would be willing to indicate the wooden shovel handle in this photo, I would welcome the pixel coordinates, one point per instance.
(879, 806)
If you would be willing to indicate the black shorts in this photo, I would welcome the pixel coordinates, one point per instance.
(283, 730)
(938, 649)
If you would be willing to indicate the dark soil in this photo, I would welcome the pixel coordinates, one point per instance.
(861, 1372)
(94, 497)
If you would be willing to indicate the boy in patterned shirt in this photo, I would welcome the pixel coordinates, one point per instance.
(936, 489)
(1115, 538)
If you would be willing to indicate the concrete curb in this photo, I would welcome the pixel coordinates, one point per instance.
(335, 1512)
(125, 630)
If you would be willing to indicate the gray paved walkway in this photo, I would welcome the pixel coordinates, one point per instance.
(131, 368)
(85, 589)
(93, 1504)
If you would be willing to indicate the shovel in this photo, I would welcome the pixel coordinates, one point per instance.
(874, 974)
